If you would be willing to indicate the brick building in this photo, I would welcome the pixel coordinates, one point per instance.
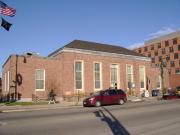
(79, 67)
(0, 89)
(166, 49)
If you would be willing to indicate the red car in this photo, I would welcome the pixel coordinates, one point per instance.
(106, 97)
(170, 96)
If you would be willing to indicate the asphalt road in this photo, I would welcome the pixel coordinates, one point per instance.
(145, 118)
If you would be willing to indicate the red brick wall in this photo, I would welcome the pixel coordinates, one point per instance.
(69, 58)
(175, 81)
(27, 71)
(59, 72)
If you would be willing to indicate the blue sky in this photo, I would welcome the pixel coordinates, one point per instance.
(45, 25)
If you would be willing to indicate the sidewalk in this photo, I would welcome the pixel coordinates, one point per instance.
(20, 108)
(137, 99)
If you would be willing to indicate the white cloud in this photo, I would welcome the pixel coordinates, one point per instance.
(161, 32)
(136, 45)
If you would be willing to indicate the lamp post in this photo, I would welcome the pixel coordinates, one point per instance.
(16, 76)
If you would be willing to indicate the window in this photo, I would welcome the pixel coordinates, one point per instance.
(163, 51)
(164, 64)
(159, 45)
(153, 60)
(97, 76)
(172, 64)
(177, 71)
(40, 79)
(160, 58)
(166, 43)
(171, 49)
(142, 77)
(176, 56)
(167, 57)
(5, 85)
(129, 70)
(139, 50)
(114, 75)
(120, 92)
(158, 82)
(152, 47)
(178, 47)
(8, 81)
(174, 41)
(149, 54)
(156, 53)
(179, 62)
(112, 92)
(79, 75)
(145, 49)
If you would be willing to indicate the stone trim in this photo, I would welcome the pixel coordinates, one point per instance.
(99, 53)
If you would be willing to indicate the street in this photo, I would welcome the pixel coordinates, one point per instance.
(143, 118)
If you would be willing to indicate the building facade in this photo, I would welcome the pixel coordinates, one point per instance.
(165, 49)
(0, 89)
(78, 69)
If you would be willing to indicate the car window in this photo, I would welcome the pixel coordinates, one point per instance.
(105, 93)
(112, 92)
(120, 92)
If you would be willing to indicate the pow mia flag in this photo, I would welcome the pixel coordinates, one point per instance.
(6, 25)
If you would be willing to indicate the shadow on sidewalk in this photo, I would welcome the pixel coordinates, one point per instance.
(115, 126)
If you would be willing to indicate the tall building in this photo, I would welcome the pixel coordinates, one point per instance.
(165, 49)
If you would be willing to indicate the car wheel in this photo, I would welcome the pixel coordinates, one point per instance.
(121, 101)
(98, 104)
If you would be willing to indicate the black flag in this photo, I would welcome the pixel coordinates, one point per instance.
(6, 25)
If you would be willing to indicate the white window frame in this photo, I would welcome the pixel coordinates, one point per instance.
(82, 62)
(44, 80)
(142, 66)
(118, 78)
(97, 89)
(8, 80)
(159, 77)
(132, 75)
(5, 85)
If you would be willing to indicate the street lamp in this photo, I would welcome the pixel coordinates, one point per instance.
(17, 75)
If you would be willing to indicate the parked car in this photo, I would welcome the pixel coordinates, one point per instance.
(106, 97)
(170, 96)
(178, 91)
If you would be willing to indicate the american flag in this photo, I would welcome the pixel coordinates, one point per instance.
(6, 10)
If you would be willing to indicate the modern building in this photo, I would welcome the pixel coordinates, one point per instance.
(78, 69)
(164, 50)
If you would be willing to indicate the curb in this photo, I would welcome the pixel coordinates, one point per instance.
(39, 109)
